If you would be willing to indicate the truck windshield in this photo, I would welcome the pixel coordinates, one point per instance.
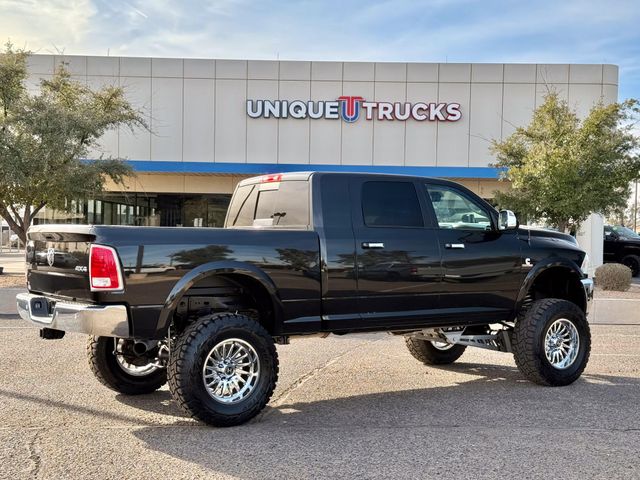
(625, 232)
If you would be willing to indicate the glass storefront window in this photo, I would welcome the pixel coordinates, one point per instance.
(162, 209)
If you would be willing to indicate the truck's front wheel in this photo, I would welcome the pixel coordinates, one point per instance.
(223, 369)
(552, 342)
(115, 371)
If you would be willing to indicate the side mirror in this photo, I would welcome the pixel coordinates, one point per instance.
(507, 220)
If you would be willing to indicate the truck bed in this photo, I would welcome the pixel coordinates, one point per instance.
(154, 259)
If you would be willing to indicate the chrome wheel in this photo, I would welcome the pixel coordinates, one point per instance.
(134, 369)
(561, 344)
(443, 346)
(231, 371)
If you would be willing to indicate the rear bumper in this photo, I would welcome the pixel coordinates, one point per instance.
(98, 320)
(587, 284)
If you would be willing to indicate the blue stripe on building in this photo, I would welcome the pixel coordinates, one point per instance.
(147, 166)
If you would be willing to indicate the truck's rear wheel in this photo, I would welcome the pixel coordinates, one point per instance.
(433, 352)
(552, 342)
(223, 369)
(118, 373)
(633, 262)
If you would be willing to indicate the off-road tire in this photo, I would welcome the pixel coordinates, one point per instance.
(529, 337)
(633, 262)
(424, 351)
(189, 354)
(104, 366)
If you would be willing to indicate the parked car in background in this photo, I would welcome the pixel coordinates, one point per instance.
(622, 245)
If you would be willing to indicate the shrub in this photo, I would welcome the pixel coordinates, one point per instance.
(613, 276)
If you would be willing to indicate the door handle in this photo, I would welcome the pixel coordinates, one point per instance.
(372, 245)
(454, 245)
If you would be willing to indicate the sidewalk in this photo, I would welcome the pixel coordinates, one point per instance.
(615, 311)
(12, 262)
(8, 301)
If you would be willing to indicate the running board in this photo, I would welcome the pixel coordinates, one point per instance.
(498, 340)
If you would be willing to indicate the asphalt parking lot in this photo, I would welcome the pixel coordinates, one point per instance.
(355, 406)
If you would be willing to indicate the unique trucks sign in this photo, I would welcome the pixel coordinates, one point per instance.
(350, 108)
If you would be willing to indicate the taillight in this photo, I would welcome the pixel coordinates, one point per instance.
(104, 269)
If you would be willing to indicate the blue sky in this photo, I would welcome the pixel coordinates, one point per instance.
(436, 30)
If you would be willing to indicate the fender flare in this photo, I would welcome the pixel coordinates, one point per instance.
(216, 268)
(541, 267)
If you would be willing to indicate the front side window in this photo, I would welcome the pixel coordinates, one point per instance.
(391, 204)
(455, 210)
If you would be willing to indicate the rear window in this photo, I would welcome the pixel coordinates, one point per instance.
(281, 204)
(391, 204)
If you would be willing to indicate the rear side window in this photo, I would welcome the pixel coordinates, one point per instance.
(391, 204)
(282, 204)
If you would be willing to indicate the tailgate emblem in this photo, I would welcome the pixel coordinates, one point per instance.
(51, 256)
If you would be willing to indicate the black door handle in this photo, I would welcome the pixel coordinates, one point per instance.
(372, 245)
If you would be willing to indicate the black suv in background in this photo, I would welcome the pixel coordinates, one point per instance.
(622, 245)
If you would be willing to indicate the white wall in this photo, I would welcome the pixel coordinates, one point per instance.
(196, 108)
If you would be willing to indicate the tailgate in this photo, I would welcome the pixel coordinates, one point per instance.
(58, 260)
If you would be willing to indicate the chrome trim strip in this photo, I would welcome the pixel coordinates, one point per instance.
(98, 320)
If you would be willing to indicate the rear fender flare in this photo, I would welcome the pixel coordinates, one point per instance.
(225, 267)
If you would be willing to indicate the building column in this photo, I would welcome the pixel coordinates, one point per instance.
(590, 237)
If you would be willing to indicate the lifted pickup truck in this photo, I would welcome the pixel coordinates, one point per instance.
(309, 254)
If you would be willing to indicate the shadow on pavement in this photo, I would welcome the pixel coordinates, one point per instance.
(495, 409)
(156, 402)
(149, 401)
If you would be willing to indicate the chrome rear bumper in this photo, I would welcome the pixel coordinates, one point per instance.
(98, 320)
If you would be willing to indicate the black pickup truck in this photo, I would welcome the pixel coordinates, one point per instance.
(622, 245)
(309, 254)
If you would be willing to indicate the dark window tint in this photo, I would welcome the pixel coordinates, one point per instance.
(391, 204)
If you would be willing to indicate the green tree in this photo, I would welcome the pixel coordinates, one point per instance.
(562, 168)
(44, 138)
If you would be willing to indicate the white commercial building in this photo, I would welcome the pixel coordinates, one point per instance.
(214, 122)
